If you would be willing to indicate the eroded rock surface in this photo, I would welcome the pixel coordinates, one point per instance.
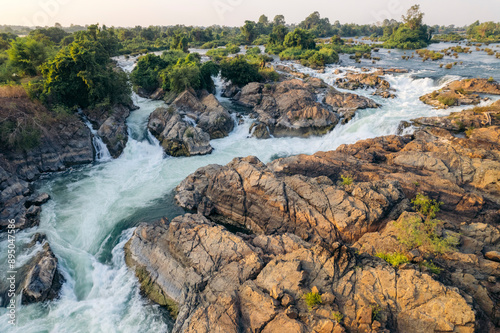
(186, 127)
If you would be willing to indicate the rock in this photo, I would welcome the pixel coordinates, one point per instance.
(175, 126)
(347, 100)
(461, 92)
(313, 207)
(176, 135)
(114, 132)
(218, 280)
(43, 280)
(288, 108)
(493, 255)
(353, 81)
(229, 91)
(62, 142)
(158, 94)
(37, 200)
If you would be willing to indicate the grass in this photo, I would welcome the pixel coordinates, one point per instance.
(432, 267)
(312, 300)
(346, 180)
(422, 231)
(337, 316)
(447, 100)
(395, 259)
(12, 91)
(376, 312)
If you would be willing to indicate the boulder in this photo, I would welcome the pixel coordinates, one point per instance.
(289, 108)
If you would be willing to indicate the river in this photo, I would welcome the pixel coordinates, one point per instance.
(94, 208)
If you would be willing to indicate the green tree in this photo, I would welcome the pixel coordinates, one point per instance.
(413, 18)
(279, 20)
(184, 76)
(300, 38)
(82, 74)
(27, 54)
(239, 71)
(249, 31)
(277, 36)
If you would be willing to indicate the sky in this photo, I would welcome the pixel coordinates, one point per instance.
(126, 13)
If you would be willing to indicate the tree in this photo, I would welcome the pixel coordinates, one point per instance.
(239, 71)
(277, 36)
(279, 20)
(27, 54)
(263, 20)
(249, 31)
(184, 76)
(413, 17)
(82, 74)
(299, 38)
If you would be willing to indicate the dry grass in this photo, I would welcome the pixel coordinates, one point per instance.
(12, 92)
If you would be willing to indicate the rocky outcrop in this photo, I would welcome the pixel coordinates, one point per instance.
(353, 81)
(43, 281)
(39, 279)
(56, 144)
(231, 282)
(176, 135)
(346, 104)
(186, 127)
(110, 122)
(288, 108)
(462, 92)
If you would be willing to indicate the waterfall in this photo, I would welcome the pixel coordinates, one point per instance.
(101, 150)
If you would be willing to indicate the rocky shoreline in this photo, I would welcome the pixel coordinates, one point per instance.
(312, 225)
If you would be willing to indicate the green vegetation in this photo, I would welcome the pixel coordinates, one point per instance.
(432, 267)
(346, 180)
(312, 299)
(20, 135)
(395, 259)
(428, 54)
(412, 34)
(488, 32)
(173, 71)
(239, 71)
(82, 73)
(219, 53)
(447, 100)
(337, 316)
(423, 230)
(376, 312)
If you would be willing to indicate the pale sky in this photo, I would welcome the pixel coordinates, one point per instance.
(234, 12)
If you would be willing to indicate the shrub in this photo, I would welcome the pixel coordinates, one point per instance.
(432, 267)
(395, 259)
(337, 316)
(312, 300)
(346, 180)
(189, 133)
(423, 231)
(269, 74)
(447, 100)
(239, 71)
(491, 79)
(468, 132)
(376, 312)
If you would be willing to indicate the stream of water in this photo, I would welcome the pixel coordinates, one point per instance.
(94, 208)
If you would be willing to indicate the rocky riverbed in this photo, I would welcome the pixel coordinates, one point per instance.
(294, 227)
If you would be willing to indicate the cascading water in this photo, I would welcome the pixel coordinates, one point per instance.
(101, 150)
(94, 208)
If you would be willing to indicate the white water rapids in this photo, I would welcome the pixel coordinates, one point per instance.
(94, 208)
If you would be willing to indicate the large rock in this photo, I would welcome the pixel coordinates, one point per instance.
(187, 125)
(61, 142)
(353, 81)
(288, 108)
(177, 135)
(461, 92)
(43, 281)
(346, 104)
(225, 282)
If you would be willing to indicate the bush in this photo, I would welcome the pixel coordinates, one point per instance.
(239, 71)
(269, 74)
(337, 316)
(423, 231)
(447, 100)
(300, 38)
(432, 267)
(395, 259)
(346, 180)
(253, 51)
(312, 300)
